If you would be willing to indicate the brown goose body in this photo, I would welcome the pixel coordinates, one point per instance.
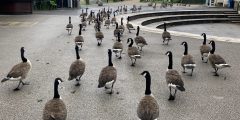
(166, 35)
(172, 76)
(129, 26)
(108, 74)
(118, 45)
(77, 69)
(140, 40)
(132, 51)
(215, 59)
(20, 70)
(78, 39)
(107, 22)
(99, 35)
(187, 59)
(204, 49)
(148, 108)
(55, 109)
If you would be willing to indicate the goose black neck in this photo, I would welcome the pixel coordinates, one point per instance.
(119, 40)
(116, 26)
(186, 49)
(137, 31)
(69, 19)
(170, 61)
(121, 21)
(110, 59)
(148, 84)
(56, 94)
(204, 39)
(77, 53)
(165, 28)
(99, 26)
(131, 43)
(213, 48)
(80, 30)
(22, 56)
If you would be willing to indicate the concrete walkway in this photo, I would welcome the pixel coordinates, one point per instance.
(51, 51)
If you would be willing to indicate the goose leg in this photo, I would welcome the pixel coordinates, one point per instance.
(174, 94)
(191, 73)
(216, 74)
(184, 70)
(120, 57)
(17, 88)
(112, 87)
(24, 83)
(78, 81)
(170, 97)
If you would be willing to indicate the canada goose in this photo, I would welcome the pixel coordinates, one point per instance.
(204, 49)
(215, 60)
(173, 78)
(155, 5)
(107, 22)
(77, 68)
(113, 21)
(134, 9)
(79, 39)
(125, 10)
(139, 8)
(19, 71)
(90, 18)
(166, 35)
(99, 35)
(121, 10)
(97, 24)
(121, 27)
(108, 74)
(69, 26)
(84, 24)
(148, 108)
(55, 109)
(187, 59)
(104, 14)
(139, 40)
(82, 14)
(118, 47)
(133, 52)
(86, 13)
(129, 26)
(116, 31)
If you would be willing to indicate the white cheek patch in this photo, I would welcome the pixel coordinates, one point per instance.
(59, 81)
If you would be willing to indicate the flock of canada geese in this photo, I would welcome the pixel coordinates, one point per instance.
(148, 108)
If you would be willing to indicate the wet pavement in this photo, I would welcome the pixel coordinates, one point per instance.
(51, 51)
